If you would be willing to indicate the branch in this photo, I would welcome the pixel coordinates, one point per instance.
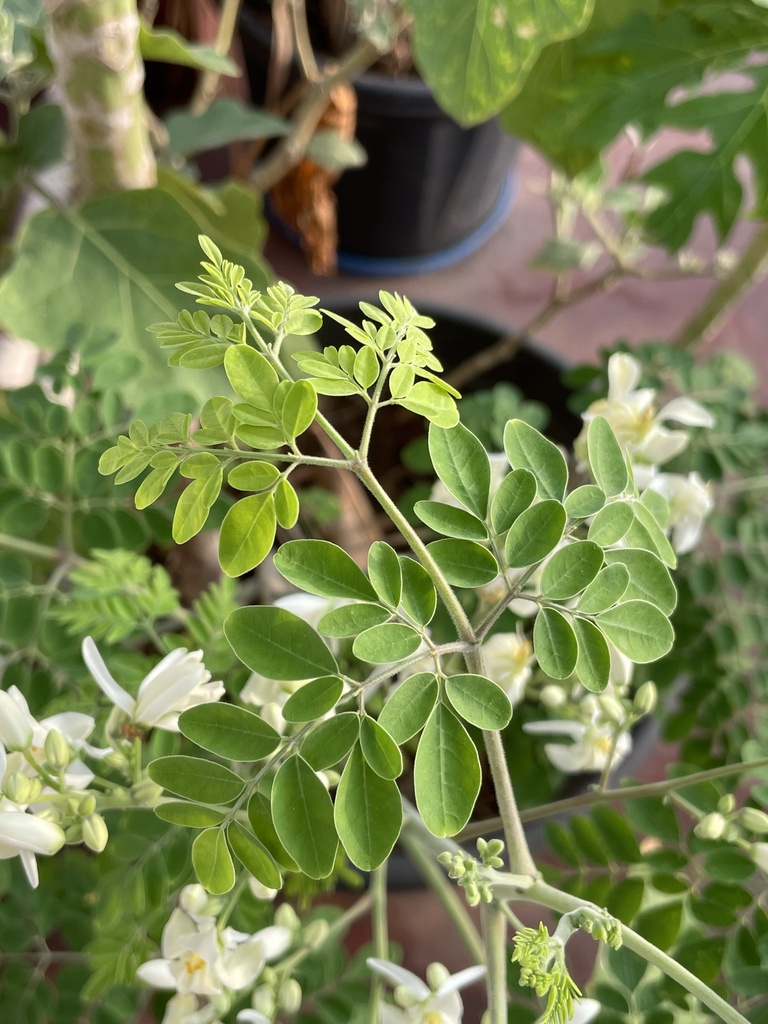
(208, 83)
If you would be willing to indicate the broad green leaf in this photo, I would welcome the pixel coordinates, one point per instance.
(446, 773)
(611, 523)
(212, 862)
(189, 815)
(463, 562)
(163, 44)
(527, 449)
(253, 476)
(226, 120)
(303, 816)
(649, 578)
(515, 494)
(194, 506)
(606, 459)
(419, 598)
(313, 699)
(153, 485)
(534, 534)
(475, 57)
(253, 855)
(409, 707)
(366, 370)
(479, 701)
(639, 630)
(379, 749)
(450, 521)
(323, 568)
(330, 741)
(286, 505)
(660, 924)
(264, 439)
(571, 569)
(252, 376)
(401, 380)
(368, 813)
(229, 731)
(658, 539)
(584, 502)
(608, 587)
(199, 466)
(390, 642)
(196, 778)
(260, 817)
(278, 644)
(433, 403)
(247, 534)
(727, 865)
(555, 644)
(384, 571)
(351, 619)
(593, 665)
(299, 408)
(123, 255)
(462, 464)
(617, 834)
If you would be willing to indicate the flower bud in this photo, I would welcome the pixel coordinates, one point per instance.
(754, 820)
(290, 997)
(95, 832)
(759, 854)
(57, 752)
(18, 788)
(726, 804)
(146, 793)
(193, 899)
(611, 708)
(263, 1001)
(405, 998)
(15, 726)
(331, 778)
(316, 932)
(437, 975)
(286, 917)
(552, 696)
(87, 805)
(495, 847)
(646, 698)
(261, 891)
(711, 826)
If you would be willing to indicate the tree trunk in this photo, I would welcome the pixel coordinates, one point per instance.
(94, 46)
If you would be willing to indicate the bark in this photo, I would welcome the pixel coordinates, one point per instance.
(94, 46)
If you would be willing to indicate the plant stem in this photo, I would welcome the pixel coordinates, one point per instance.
(706, 321)
(563, 902)
(380, 937)
(28, 547)
(495, 936)
(520, 859)
(338, 927)
(572, 803)
(208, 82)
(446, 893)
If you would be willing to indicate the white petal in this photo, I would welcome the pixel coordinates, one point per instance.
(660, 445)
(569, 760)
(393, 1014)
(275, 940)
(156, 973)
(20, 831)
(457, 981)
(624, 372)
(164, 694)
(399, 976)
(686, 534)
(29, 864)
(685, 410)
(178, 933)
(73, 726)
(95, 665)
(17, 727)
(252, 1017)
(77, 776)
(558, 727)
(243, 965)
(3, 761)
(307, 606)
(584, 1011)
(759, 854)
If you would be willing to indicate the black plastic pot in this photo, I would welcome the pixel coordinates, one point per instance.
(431, 192)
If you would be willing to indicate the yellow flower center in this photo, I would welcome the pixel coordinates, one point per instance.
(432, 1017)
(194, 962)
(603, 744)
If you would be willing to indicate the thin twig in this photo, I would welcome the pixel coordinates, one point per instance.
(208, 83)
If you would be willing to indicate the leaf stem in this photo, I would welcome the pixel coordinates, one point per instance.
(28, 547)
(495, 937)
(380, 936)
(208, 83)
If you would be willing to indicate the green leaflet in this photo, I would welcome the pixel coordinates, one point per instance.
(253, 476)
(212, 862)
(534, 534)
(313, 700)
(351, 619)
(323, 568)
(593, 665)
(527, 449)
(260, 817)
(606, 459)
(189, 815)
(253, 855)
(639, 630)
(584, 502)
(571, 569)
(649, 578)
(194, 505)
(433, 403)
(303, 816)
(299, 408)
(252, 377)
(462, 464)
(479, 700)
(286, 505)
(611, 523)
(608, 587)
(379, 749)
(368, 813)
(278, 644)
(247, 534)
(555, 644)
(447, 774)
(409, 707)
(463, 562)
(419, 598)
(330, 741)
(229, 731)
(392, 641)
(515, 494)
(450, 521)
(384, 572)
(196, 778)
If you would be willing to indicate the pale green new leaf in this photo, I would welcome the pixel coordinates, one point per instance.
(194, 505)
(432, 402)
(247, 534)
(253, 476)
(368, 813)
(212, 862)
(303, 816)
(299, 408)
(447, 774)
(287, 505)
(251, 376)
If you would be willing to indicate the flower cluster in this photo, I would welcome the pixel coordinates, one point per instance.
(437, 1002)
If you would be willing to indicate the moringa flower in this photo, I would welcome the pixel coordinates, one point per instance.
(508, 659)
(690, 502)
(436, 1003)
(592, 742)
(23, 835)
(178, 682)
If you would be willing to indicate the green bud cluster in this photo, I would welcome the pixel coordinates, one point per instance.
(599, 924)
(490, 852)
(463, 869)
(542, 967)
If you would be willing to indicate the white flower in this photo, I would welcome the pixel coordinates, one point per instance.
(252, 1017)
(178, 682)
(508, 658)
(186, 1009)
(639, 428)
(23, 835)
(16, 723)
(309, 607)
(592, 741)
(499, 468)
(440, 1004)
(690, 502)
